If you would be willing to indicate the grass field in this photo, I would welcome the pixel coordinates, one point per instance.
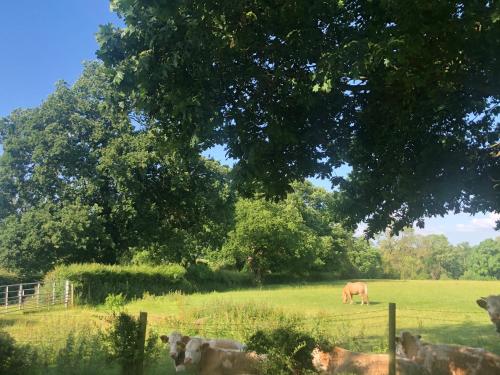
(441, 311)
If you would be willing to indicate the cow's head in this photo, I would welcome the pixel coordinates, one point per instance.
(492, 305)
(176, 342)
(407, 345)
(194, 348)
(320, 360)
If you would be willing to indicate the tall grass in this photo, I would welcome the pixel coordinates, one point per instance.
(441, 311)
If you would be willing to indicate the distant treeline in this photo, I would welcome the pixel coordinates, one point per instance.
(86, 179)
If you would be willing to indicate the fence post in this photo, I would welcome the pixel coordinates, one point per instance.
(392, 338)
(53, 292)
(66, 293)
(141, 338)
(6, 297)
(72, 295)
(37, 294)
(20, 295)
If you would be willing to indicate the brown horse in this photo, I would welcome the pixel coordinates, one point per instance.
(351, 289)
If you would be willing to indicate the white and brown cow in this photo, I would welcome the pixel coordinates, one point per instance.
(209, 360)
(351, 289)
(176, 342)
(492, 305)
(342, 361)
(448, 359)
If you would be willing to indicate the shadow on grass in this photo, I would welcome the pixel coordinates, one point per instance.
(7, 322)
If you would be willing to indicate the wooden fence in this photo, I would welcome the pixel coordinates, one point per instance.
(35, 296)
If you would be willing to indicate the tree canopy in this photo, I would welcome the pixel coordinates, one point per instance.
(81, 182)
(405, 92)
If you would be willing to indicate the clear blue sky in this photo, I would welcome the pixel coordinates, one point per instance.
(45, 41)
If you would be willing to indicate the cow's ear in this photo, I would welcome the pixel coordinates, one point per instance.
(482, 303)
(164, 339)
(185, 339)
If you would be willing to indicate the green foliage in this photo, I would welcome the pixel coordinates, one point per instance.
(122, 339)
(115, 302)
(412, 256)
(99, 283)
(83, 354)
(14, 360)
(7, 277)
(269, 237)
(48, 235)
(296, 236)
(406, 93)
(94, 282)
(288, 350)
(365, 260)
(484, 261)
(80, 183)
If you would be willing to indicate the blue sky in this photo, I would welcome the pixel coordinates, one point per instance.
(45, 41)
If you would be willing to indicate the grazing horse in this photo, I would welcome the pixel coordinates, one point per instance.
(492, 305)
(351, 289)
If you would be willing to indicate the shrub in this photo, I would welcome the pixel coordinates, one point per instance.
(205, 278)
(83, 354)
(115, 302)
(288, 350)
(122, 340)
(94, 282)
(13, 359)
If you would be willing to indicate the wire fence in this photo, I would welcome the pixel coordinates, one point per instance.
(369, 327)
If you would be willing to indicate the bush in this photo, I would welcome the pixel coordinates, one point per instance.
(115, 302)
(205, 278)
(122, 340)
(83, 354)
(94, 282)
(288, 350)
(13, 359)
(7, 277)
(471, 275)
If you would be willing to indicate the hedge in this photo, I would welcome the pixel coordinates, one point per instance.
(7, 277)
(94, 282)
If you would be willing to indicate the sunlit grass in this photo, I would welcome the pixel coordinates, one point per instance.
(442, 311)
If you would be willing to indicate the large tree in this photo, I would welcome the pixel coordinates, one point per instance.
(82, 179)
(405, 92)
(297, 235)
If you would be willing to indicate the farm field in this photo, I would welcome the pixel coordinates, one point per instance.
(441, 311)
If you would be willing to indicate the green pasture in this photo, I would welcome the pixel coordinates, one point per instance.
(441, 311)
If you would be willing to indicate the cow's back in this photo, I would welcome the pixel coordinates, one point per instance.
(223, 362)
(341, 361)
(457, 360)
